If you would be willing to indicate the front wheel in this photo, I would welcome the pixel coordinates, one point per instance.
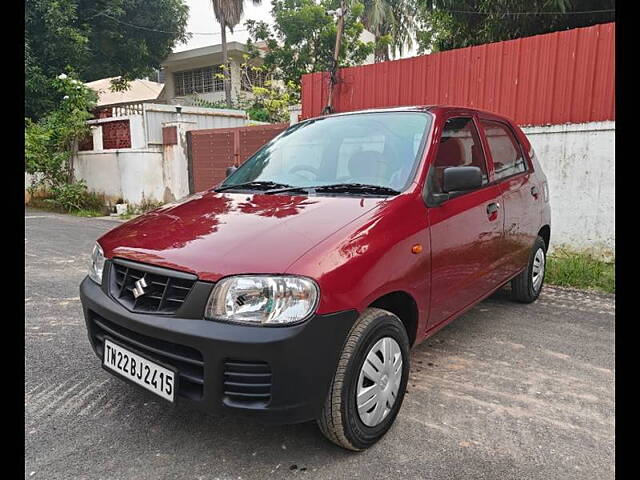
(369, 383)
(527, 286)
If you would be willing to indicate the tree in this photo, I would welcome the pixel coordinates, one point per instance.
(392, 23)
(447, 24)
(303, 38)
(50, 143)
(268, 100)
(95, 39)
(228, 13)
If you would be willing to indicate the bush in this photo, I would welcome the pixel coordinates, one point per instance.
(50, 143)
(71, 198)
(147, 205)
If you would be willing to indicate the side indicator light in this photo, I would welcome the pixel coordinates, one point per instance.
(417, 248)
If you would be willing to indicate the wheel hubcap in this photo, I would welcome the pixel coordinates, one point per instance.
(537, 272)
(379, 381)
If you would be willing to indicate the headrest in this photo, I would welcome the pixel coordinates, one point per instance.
(450, 153)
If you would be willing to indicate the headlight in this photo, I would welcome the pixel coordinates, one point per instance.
(97, 264)
(262, 299)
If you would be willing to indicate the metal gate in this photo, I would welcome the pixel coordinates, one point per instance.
(212, 151)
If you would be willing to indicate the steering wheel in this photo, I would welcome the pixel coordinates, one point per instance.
(305, 168)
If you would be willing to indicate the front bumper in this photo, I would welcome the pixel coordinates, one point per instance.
(292, 367)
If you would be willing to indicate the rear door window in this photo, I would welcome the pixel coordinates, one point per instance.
(506, 152)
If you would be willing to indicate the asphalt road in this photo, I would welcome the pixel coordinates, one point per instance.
(506, 391)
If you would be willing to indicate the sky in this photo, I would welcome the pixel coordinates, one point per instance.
(202, 21)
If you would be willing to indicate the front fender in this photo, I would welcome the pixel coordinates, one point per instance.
(372, 257)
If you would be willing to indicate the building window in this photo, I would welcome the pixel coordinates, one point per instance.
(251, 77)
(199, 80)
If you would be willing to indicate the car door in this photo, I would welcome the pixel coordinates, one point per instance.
(466, 230)
(512, 173)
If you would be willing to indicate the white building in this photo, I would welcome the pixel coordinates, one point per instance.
(191, 74)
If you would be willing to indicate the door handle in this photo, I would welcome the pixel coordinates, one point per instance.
(493, 208)
(534, 192)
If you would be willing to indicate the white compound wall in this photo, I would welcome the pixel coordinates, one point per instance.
(579, 161)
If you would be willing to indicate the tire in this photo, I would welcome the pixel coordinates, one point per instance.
(340, 420)
(524, 288)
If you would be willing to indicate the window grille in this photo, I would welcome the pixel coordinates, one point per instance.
(199, 80)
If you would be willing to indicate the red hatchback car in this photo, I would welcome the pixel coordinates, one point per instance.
(294, 290)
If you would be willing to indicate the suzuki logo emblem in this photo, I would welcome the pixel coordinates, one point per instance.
(140, 285)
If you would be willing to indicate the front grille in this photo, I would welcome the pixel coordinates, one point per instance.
(247, 382)
(187, 360)
(163, 293)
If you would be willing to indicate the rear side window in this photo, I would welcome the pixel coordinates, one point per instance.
(459, 147)
(505, 150)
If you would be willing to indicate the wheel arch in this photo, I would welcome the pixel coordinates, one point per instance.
(404, 306)
(545, 233)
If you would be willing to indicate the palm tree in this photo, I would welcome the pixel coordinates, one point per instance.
(390, 17)
(228, 14)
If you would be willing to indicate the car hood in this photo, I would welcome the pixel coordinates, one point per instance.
(217, 234)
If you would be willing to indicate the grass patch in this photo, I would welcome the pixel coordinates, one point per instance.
(45, 204)
(580, 270)
(87, 213)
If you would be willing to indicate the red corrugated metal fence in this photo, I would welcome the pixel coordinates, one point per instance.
(560, 77)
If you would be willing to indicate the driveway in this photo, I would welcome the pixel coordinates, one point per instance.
(506, 391)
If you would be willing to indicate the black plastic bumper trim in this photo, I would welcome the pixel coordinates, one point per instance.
(301, 358)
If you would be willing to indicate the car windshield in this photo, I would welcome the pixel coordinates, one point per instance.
(365, 153)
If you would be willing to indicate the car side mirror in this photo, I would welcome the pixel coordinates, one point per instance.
(461, 179)
(231, 169)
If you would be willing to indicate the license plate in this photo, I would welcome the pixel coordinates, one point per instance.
(150, 375)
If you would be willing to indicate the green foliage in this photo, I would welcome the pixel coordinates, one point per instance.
(392, 23)
(580, 270)
(229, 12)
(88, 213)
(50, 142)
(267, 102)
(69, 196)
(133, 210)
(95, 39)
(146, 205)
(198, 101)
(302, 39)
(445, 24)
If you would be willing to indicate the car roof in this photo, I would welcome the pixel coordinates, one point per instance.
(435, 109)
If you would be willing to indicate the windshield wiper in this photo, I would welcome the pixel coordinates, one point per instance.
(255, 185)
(337, 187)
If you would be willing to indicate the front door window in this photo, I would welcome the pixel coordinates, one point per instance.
(459, 146)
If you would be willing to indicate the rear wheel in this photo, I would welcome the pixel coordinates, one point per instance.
(369, 383)
(527, 286)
